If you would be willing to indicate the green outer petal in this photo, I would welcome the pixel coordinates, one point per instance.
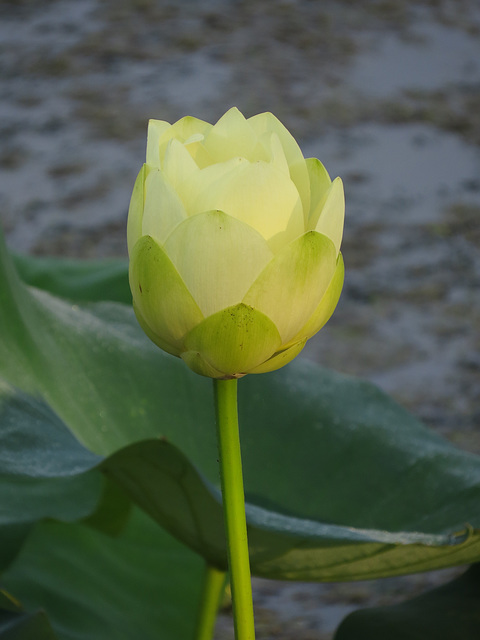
(325, 309)
(298, 170)
(156, 131)
(280, 359)
(163, 209)
(235, 339)
(332, 215)
(218, 258)
(160, 294)
(135, 211)
(197, 363)
(293, 283)
(320, 183)
(169, 348)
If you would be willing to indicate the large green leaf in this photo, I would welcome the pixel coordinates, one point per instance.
(281, 546)
(44, 471)
(449, 612)
(142, 584)
(35, 445)
(25, 626)
(341, 482)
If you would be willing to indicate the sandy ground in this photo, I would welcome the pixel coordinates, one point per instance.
(387, 96)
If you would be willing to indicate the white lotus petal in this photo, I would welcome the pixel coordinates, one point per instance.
(178, 164)
(205, 180)
(320, 183)
(163, 209)
(218, 258)
(259, 195)
(156, 131)
(231, 136)
(191, 132)
(160, 133)
(264, 122)
(269, 145)
(188, 127)
(332, 215)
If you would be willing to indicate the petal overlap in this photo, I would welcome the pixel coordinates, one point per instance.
(267, 122)
(293, 283)
(234, 340)
(259, 195)
(326, 306)
(332, 214)
(157, 288)
(218, 257)
(135, 211)
(160, 198)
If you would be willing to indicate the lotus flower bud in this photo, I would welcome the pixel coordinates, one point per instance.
(234, 243)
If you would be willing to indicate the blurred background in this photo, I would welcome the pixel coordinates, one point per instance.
(385, 92)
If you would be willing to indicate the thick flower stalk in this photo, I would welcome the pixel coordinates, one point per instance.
(234, 242)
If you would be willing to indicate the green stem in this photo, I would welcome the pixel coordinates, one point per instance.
(213, 590)
(234, 507)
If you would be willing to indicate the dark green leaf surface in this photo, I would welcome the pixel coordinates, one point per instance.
(341, 482)
(281, 546)
(86, 582)
(81, 280)
(449, 612)
(25, 626)
(17, 624)
(142, 584)
(44, 471)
